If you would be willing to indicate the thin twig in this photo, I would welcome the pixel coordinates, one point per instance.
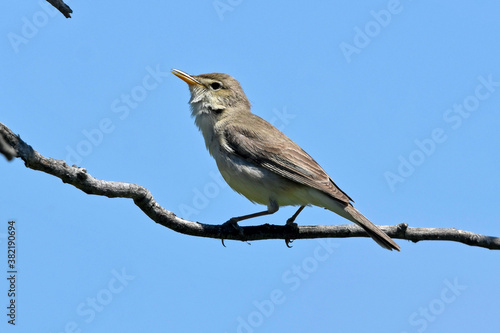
(62, 7)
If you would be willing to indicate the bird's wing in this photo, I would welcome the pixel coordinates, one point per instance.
(268, 147)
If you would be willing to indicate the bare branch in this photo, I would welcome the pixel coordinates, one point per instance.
(79, 178)
(62, 7)
(6, 150)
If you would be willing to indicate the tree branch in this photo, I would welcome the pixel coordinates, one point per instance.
(143, 198)
(62, 7)
(6, 150)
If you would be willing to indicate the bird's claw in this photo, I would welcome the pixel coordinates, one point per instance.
(290, 224)
(232, 224)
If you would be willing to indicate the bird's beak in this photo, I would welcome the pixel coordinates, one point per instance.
(189, 79)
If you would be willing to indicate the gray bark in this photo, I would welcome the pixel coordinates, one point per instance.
(14, 146)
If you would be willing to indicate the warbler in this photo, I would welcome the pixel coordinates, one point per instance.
(260, 162)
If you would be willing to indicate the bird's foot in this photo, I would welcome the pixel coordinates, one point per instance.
(291, 225)
(229, 226)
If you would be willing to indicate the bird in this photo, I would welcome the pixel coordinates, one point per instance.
(259, 161)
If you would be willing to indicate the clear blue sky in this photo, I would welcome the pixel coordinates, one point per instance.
(398, 101)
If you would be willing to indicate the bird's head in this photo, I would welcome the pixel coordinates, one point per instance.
(214, 93)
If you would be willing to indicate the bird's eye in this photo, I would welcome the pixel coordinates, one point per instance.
(215, 85)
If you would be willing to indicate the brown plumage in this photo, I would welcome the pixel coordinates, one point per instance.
(260, 162)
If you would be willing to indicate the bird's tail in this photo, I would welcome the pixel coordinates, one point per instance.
(371, 229)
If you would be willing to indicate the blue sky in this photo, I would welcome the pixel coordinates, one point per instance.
(397, 100)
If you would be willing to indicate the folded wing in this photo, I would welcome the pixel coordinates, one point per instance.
(268, 147)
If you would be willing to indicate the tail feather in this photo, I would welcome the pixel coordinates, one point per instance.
(371, 229)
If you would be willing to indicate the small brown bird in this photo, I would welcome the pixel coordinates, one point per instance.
(259, 161)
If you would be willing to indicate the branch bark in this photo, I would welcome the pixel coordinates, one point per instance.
(6, 150)
(143, 198)
(62, 7)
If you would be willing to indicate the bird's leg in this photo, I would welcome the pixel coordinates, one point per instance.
(235, 220)
(290, 223)
(272, 207)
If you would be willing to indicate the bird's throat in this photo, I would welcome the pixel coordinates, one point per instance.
(205, 121)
